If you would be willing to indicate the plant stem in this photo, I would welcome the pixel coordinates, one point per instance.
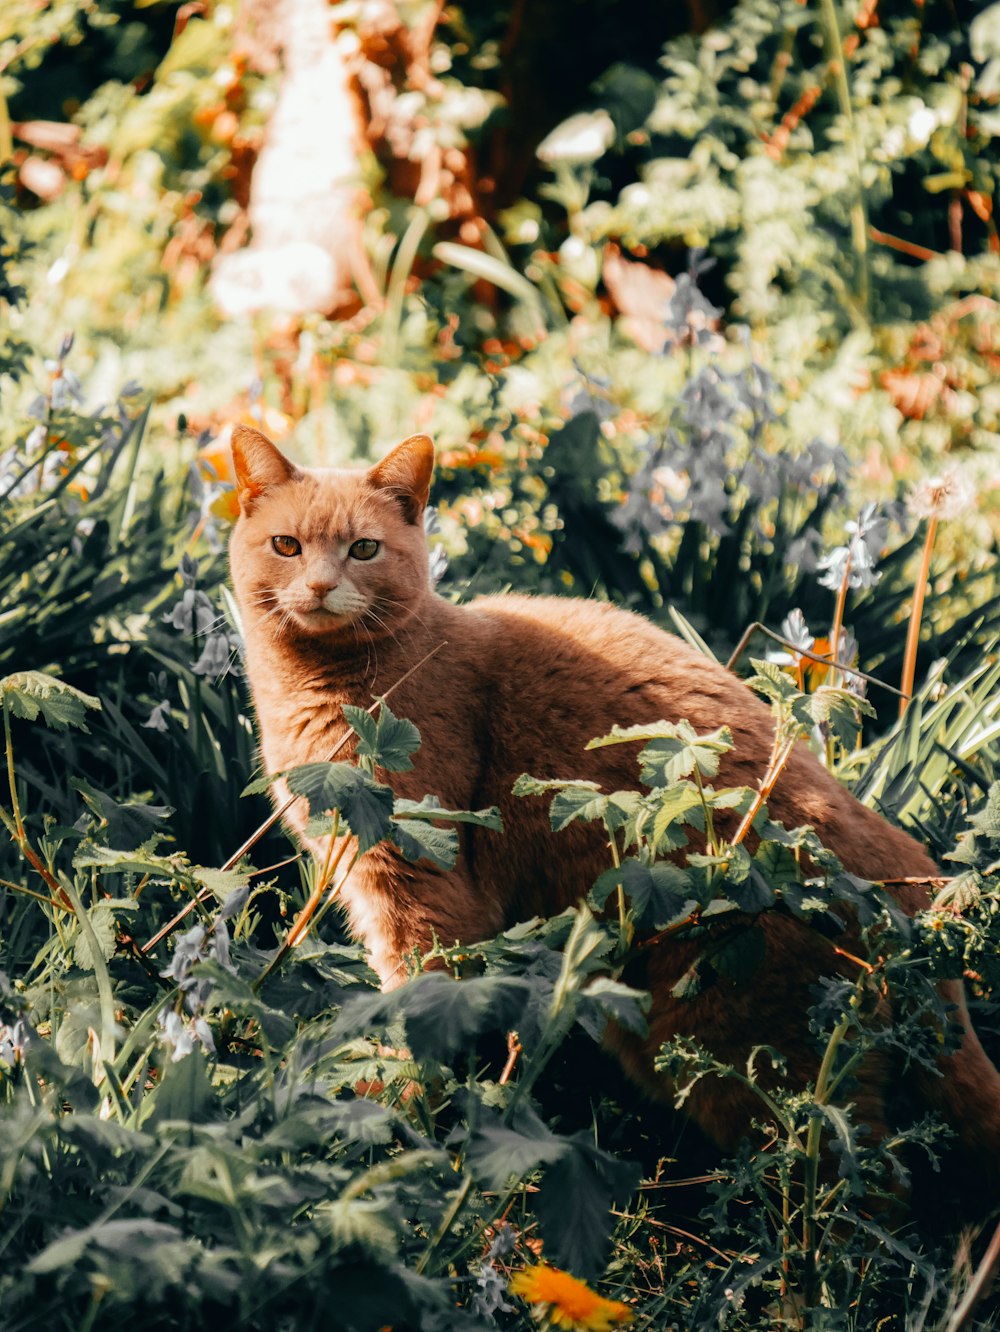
(622, 908)
(836, 674)
(11, 780)
(916, 613)
(447, 1221)
(825, 1085)
(859, 209)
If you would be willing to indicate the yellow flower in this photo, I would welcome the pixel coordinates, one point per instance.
(571, 1304)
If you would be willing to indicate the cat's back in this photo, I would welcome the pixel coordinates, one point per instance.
(601, 664)
(561, 671)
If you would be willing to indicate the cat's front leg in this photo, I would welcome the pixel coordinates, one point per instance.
(400, 911)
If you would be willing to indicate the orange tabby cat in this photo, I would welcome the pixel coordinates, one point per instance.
(330, 569)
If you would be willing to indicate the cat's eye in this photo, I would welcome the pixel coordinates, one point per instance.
(286, 545)
(364, 549)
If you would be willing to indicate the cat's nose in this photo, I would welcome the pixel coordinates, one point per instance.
(320, 584)
(321, 578)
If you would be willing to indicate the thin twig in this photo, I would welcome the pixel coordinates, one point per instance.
(757, 627)
(978, 1286)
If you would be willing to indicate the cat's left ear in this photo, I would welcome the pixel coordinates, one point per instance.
(406, 472)
(258, 465)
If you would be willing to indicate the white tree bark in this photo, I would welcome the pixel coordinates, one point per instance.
(305, 192)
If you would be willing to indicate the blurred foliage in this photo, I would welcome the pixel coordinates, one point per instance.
(678, 299)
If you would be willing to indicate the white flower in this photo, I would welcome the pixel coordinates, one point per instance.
(583, 138)
(942, 497)
(921, 124)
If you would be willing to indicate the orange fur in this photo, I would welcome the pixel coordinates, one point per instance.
(522, 685)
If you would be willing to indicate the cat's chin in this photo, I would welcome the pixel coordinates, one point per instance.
(321, 623)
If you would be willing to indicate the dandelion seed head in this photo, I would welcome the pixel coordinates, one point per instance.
(942, 497)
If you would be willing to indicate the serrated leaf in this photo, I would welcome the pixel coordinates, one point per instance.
(675, 803)
(777, 864)
(102, 922)
(430, 808)
(839, 710)
(128, 825)
(573, 799)
(752, 892)
(424, 841)
(658, 893)
(220, 883)
(387, 740)
(579, 1190)
(772, 682)
(441, 1015)
(497, 1153)
(29, 694)
(615, 1001)
(364, 804)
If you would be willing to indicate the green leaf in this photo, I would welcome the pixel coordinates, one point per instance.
(430, 808)
(442, 1015)
(839, 710)
(658, 893)
(674, 751)
(575, 1203)
(221, 883)
(498, 1154)
(675, 803)
(128, 825)
(102, 922)
(388, 740)
(775, 684)
(573, 800)
(30, 693)
(777, 864)
(613, 1001)
(364, 804)
(424, 841)
(183, 1092)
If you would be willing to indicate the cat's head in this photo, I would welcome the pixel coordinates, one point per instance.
(327, 553)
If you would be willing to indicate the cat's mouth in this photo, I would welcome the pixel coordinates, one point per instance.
(320, 619)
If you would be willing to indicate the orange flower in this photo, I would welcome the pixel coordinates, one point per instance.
(571, 1304)
(215, 460)
(226, 506)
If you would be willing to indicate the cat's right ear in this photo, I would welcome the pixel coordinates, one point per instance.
(258, 465)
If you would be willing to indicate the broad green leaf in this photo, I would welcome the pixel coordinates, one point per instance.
(675, 803)
(102, 922)
(775, 684)
(424, 841)
(674, 751)
(498, 1153)
(613, 1001)
(777, 864)
(363, 803)
(430, 808)
(221, 883)
(29, 694)
(117, 1236)
(387, 740)
(127, 825)
(658, 893)
(442, 1015)
(575, 1203)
